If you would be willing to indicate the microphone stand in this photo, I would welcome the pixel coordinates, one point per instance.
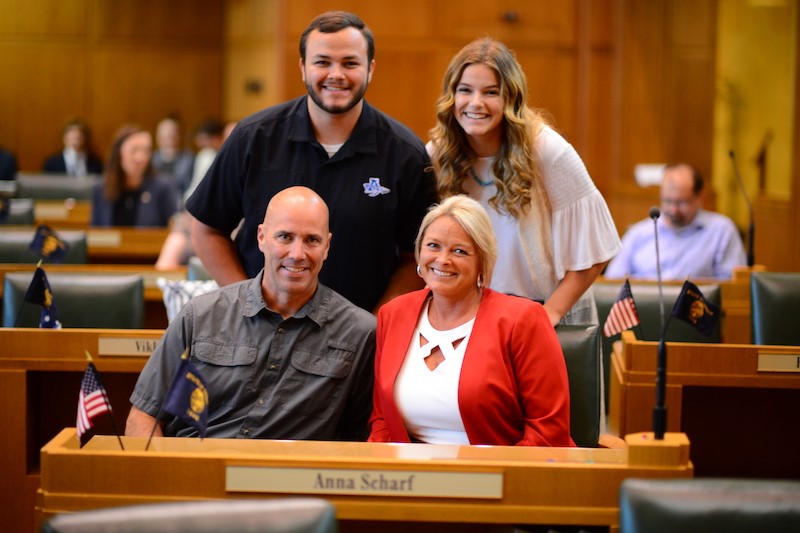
(660, 409)
(751, 229)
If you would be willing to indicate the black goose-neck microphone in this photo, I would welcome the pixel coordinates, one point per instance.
(660, 409)
(751, 229)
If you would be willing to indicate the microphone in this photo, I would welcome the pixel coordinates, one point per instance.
(751, 230)
(660, 409)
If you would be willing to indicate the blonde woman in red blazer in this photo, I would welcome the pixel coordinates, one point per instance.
(512, 386)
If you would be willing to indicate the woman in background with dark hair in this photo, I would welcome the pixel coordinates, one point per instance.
(130, 194)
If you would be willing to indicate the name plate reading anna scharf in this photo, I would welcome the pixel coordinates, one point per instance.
(127, 346)
(364, 482)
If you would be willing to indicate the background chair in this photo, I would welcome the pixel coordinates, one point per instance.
(15, 246)
(699, 505)
(646, 297)
(195, 271)
(55, 187)
(20, 213)
(83, 300)
(298, 515)
(581, 347)
(775, 306)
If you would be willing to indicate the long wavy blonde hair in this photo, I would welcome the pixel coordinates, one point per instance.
(516, 168)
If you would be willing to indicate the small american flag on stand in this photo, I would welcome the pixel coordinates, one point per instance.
(92, 401)
(623, 313)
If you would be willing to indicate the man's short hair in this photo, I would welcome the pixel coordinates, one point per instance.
(697, 178)
(333, 21)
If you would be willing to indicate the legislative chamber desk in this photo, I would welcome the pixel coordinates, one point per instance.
(40, 375)
(374, 486)
(737, 403)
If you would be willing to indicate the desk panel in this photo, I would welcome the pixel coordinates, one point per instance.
(741, 421)
(40, 373)
(577, 486)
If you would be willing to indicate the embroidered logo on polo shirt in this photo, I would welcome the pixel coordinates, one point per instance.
(374, 188)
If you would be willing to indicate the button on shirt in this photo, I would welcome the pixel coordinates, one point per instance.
(306, 377)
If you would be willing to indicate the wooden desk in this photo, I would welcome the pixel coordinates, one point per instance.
(155, 314)
(577, 486)
(69, 213)
(40, 373)
(741, 421)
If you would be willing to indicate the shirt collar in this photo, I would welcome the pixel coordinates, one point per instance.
(699, 222)
(363, 139)
(315, 309)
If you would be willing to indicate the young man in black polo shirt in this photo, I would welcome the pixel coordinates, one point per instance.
(372, 171)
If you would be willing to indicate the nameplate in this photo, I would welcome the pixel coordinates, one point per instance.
(778, 362)
(141, 347)
(104, 239)
(413, 484)
(51, 211)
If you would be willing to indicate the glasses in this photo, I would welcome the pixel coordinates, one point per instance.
(680, 204)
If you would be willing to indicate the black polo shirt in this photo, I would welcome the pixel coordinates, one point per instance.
(378, 187)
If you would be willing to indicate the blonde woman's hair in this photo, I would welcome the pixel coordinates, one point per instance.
(516, 168)
(471, 216)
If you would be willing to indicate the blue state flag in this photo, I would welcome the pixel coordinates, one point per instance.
(39, 293)
(692, 307)
(187, 398)
(48, 244)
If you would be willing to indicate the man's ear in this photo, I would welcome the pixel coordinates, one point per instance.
(302, 69)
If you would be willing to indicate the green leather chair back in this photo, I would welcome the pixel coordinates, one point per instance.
(709, 505)
(55, 186)
(82, 300)
(775, 307)
(646, 297)
(581, 347)
(283, 515)
(15, 246)
(20, 213)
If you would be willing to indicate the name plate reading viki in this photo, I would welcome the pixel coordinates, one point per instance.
(364, 482)
(778, 362)
(126, 346)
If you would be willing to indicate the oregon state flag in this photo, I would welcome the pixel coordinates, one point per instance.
(39, 293)
(48, 244)
(187, 398)
(692, 307)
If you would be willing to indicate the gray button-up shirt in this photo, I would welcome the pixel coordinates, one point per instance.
(307, 377)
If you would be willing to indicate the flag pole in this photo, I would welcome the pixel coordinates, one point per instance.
(105, 399)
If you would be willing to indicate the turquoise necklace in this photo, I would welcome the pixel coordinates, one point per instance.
(478, 180)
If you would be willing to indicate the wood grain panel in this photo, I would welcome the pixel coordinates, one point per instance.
(184, 21)
(49, 19)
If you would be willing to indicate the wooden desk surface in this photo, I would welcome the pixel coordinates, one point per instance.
(539, 485)
(717, 395)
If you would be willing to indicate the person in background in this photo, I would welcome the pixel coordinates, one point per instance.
(177, 247)
(76, 159)
(284, 356)
(370, 169)
(130, 193)
(481, 367)
(551, 222)
(8, 165)
(208, 138)
(692, 242)
(170, 159)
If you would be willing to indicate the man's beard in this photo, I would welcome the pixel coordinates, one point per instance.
(336, 110)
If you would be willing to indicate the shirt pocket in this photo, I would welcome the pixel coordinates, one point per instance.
(318, 380)
(228, 368)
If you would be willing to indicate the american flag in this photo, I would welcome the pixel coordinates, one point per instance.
(623, 313)
(92, 400)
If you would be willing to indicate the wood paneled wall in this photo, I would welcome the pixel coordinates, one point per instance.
(108, 62)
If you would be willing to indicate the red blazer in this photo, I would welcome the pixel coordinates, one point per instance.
(513, 388)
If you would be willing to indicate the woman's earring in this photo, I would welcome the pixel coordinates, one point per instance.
(419, 272)
(480, 281)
